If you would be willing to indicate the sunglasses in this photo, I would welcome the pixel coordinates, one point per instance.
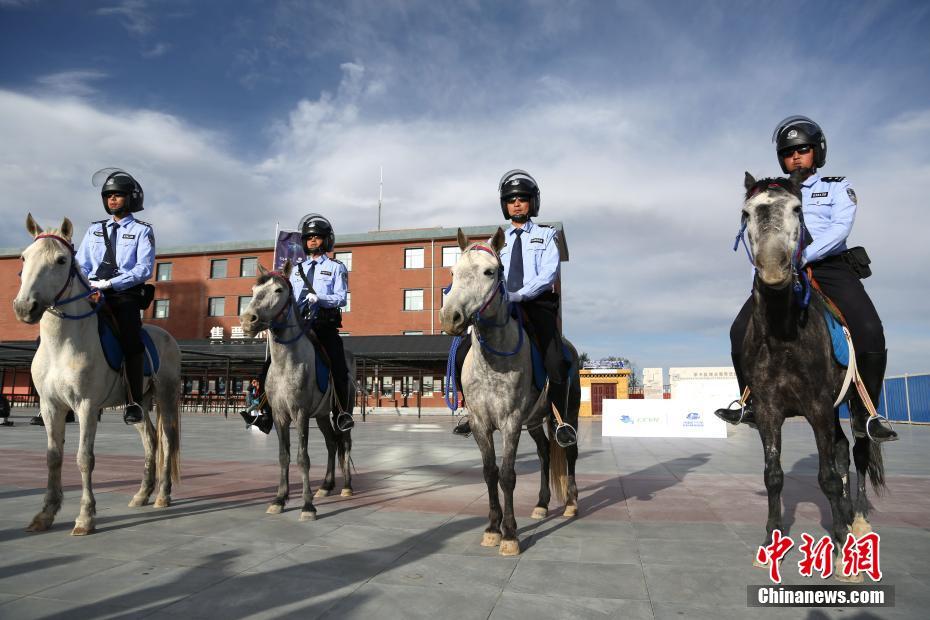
(514, 199)
(803, 149)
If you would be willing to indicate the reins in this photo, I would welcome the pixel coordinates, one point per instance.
(288, 309)
(72, 272)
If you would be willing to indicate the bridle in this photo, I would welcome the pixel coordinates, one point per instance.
(57, 301)
(286, 310)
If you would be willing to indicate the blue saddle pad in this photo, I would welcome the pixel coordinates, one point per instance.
(114, 352)
(539, 367)
(840, 346)
(322, 372)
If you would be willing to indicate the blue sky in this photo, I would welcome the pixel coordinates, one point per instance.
(637, 118)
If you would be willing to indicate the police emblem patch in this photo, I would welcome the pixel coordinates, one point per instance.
(792, 134)
(852, 195)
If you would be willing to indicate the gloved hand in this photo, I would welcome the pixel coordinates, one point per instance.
(311, 299)
(100, 285)
(514, 297)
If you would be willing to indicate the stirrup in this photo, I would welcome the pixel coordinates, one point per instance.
(565, 435)
(344, 421)
(878, 419)
(133, 414)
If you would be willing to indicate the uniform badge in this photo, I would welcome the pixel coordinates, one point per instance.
(820, 194)
(129, 236)
(537, 240)
(852, 195)
(326, 273)
(98, 233)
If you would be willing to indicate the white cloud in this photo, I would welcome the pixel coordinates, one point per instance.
(76, 83)
(134, 14)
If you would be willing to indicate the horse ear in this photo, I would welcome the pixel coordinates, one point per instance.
(67, 228)
(497, 241)
(262, 270)
(286, 268)
(748, 181)
(32, 226)
(463, 241)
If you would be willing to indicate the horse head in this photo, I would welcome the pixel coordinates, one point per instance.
(271, 295)
(774, 227)
(47, 270)
(475, 277)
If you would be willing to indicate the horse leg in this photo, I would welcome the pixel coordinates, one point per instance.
(284, 462)
(510, 545)
(150, 445)
(344, 450)
(307, 511)
(484, 437)
(168, 420)
(542, 450)
(86, 522)
(831, 482)
(329, 436)
(770, 431)
(841, 454)
(571, 503)
(55, 431)
(860, 523)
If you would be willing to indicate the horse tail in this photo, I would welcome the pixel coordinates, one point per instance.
(876, 467)
(168, 417)
(558, 465)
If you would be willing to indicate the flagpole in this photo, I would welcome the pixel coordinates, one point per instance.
(274, 253)
(380, 195)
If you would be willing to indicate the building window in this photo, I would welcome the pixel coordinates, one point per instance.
(450, 255)
(244, 302)
(413, 258)
(162, 272)
(218, 268)
(345, 258)
(348, 305)
(161, 309)
(217, 306)
(248, 267)
(413, 299)
(409, 333)
(427, 384)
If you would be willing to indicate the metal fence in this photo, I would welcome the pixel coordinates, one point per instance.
(904, 399)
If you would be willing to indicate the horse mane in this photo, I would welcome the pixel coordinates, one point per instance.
(779, 183)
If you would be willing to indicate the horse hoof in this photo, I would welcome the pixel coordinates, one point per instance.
(346, 493)
(539, 513)
(570, 511)
(490, 539)
(274, 509)
(306, 515)
(857, 578)
(39, 524)
(80, 530)
(138, 500)
(510, 547)
(860, 526)
(162, 502)
(321, 493)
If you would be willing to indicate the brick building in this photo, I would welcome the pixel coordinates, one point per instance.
(396, 279)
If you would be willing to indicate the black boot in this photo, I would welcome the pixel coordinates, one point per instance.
(36, 420)
(247, 416)
(264, 422)
(134, 365)
(463, 426)
(739, 414)
(872, 370)
(565, 433)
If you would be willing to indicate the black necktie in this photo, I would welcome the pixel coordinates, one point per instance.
(515, 276)
(310, 273)
(107, 269)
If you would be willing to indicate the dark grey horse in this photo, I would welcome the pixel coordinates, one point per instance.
(497, 380)
(790, 366)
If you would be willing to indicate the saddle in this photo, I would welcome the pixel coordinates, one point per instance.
(113, 351)
(323, 363)
(539, 366)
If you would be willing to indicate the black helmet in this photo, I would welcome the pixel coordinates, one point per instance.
(798, 131)
(116, 181)
(518, 183)
(314, 224)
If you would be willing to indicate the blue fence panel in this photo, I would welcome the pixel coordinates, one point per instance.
(895, 395)
(918, 388)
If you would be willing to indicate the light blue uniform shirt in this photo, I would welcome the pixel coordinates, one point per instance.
(540, 258)
(829, 206)
(135, 251)
(330, 282)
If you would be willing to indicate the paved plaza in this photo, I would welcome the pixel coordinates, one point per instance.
(667, 529)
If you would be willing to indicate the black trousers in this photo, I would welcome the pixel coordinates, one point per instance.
(332, 343)
(841, 284)
(125, 308)
(543, 314)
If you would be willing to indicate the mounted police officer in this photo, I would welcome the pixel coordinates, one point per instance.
(531, 265)
(829, 207)
(117, 255)
(320, 288)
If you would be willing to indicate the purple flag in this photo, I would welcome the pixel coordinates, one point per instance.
(289, 245)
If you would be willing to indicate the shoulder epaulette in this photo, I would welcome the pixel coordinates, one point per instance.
(144, 223)
(336, 260)
(832, 179)
(544, 225)
(100, 222)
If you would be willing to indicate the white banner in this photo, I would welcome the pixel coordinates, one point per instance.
(675, 417)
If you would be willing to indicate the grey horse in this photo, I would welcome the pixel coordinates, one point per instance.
(292, 388)
(70, 372)
(497, 380)
(790, 364)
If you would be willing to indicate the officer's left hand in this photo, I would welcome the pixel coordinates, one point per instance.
(101, 285)
(311, 299)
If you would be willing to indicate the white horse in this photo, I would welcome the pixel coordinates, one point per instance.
(292, 388)
(70, 372)
(497, 380)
